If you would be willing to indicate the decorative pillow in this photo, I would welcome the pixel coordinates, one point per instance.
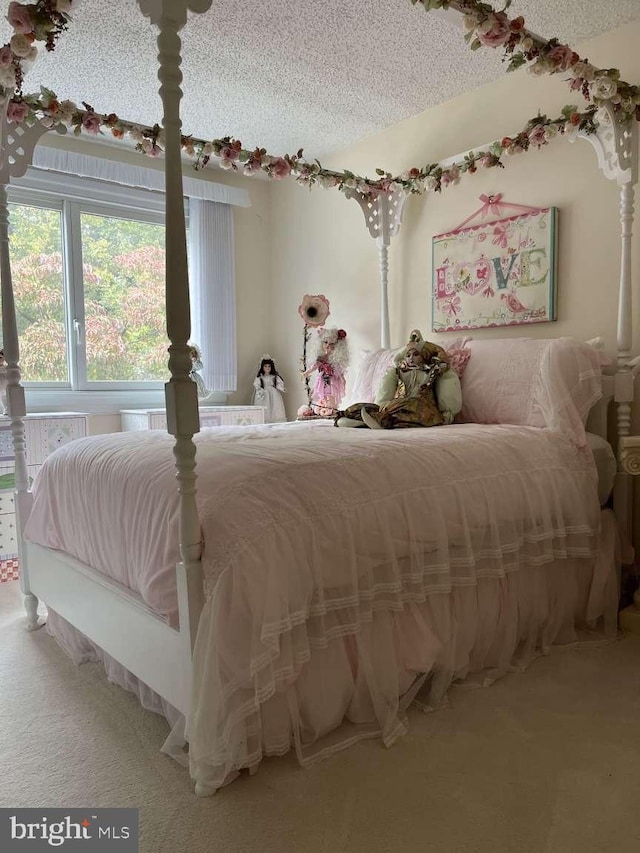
(458, 359)
(449, 394)
(532, 382)
(373, 366)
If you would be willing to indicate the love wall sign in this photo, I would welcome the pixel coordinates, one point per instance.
(499, 273)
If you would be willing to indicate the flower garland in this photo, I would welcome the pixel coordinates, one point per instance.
(231, 155)
(41, 21)
(488, 28)
(46, 19)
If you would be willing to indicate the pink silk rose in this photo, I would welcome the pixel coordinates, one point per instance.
(91, 122)
(150, 148)
(17, 111)
(410, 174)
(20, 18)
(228, 152)
(228, 156)
(6, 56)
(450, 176)
(538, 135)
(495, 31)
(562, 57)
(279, 168)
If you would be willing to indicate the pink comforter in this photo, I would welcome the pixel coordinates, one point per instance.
(313, 535)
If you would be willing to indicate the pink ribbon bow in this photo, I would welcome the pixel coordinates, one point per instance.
(490, 204)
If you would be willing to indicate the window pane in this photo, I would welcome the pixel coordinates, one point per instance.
(35, 241)
(124, 272)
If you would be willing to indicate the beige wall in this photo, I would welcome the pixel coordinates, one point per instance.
(321, 245)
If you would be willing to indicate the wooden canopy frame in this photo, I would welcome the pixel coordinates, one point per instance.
(113, 617)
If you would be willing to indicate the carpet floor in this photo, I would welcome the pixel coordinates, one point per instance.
(546, 761)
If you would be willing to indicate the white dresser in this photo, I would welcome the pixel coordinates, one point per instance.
(44, 433)
(210, 416)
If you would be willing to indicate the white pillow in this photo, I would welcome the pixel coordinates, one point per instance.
(606, 465)
(533, 382)
(373, 366)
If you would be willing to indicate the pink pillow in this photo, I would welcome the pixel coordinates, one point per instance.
(459, 358)
(532, 382)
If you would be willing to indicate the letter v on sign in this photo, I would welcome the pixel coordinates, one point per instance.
(501, 278)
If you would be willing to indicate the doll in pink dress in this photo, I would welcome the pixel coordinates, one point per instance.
(330, 365)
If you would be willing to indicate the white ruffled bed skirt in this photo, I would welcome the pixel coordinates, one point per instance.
(359, 685)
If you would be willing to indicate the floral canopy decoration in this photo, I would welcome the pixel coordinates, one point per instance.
(42, 21)
(488, 28)
(45, 20)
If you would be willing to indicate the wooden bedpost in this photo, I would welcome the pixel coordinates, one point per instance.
(383, 217)
(180, 392)
(616, 145)
(17, 143)
(617, 148)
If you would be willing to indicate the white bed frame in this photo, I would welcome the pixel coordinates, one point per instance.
(112, 616)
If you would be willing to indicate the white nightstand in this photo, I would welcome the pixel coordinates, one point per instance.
(44, 433)
(210, 416)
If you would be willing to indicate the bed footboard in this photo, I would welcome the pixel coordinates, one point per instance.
(115, 619)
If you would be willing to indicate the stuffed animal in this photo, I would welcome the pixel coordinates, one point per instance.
(419, 390)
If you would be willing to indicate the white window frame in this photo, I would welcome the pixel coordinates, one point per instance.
(72, 195)
(72, 212)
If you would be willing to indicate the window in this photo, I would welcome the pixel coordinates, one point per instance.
(89, 280)
(38, 283)
(88, 262)
(123, 288)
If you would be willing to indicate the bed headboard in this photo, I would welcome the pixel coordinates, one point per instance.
(598, 420)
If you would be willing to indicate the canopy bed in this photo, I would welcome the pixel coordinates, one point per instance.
(372, 567)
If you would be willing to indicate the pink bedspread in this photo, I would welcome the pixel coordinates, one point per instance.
(313, 535)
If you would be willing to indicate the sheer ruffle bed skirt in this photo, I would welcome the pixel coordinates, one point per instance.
(321, 696)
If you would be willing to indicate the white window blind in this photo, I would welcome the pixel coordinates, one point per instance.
(213, 296)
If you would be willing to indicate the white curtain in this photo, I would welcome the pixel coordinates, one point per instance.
(212, 292)
(114, 171)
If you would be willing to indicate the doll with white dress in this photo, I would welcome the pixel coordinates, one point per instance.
(268, 388)
(196, 367)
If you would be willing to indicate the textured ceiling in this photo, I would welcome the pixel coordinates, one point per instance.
(288, 73)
